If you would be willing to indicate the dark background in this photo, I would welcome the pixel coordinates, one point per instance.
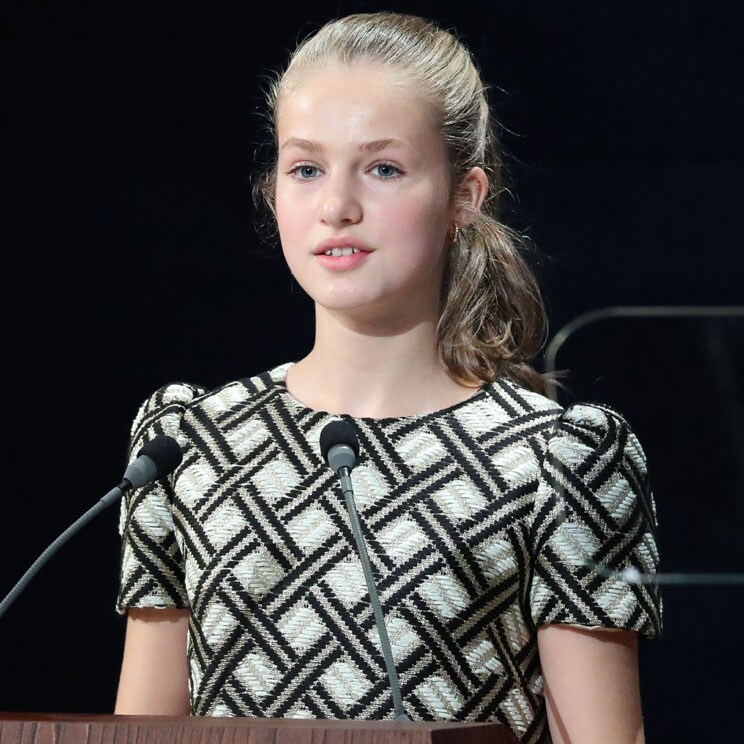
(129, 134)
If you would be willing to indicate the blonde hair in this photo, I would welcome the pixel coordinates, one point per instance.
(492, 318)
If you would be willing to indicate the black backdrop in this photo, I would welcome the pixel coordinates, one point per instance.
(129, 134)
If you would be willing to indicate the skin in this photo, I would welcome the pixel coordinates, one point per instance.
(154, 676)
(592, 690)
(363, 162)
(375, 324)
(360, 156)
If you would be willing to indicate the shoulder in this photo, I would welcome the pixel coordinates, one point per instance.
(505, 409)
(176, 393)
(169, 403)
(166, 406)
(241, 394)
(582, 433)
(596, 433)
(594, 458)
(515, 399)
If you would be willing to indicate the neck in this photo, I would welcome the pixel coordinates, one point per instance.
(374, 370)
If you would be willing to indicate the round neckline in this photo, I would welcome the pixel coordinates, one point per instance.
(279, 375)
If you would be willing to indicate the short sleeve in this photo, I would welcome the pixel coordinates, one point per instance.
(594, 517)
(152, 570)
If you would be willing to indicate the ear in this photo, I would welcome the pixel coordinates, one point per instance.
(471, 193)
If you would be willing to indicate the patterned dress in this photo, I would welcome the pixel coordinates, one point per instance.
(477, 519)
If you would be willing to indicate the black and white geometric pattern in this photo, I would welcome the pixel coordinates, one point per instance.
(477, 520)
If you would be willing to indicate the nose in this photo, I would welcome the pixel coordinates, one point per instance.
(339, 202)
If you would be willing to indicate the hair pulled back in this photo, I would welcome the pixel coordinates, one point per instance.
(492, 320)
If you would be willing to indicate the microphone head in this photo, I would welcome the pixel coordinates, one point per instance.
(338, 432)
(165, 452)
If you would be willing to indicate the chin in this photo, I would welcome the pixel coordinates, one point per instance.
(340, 298)
(345, 305)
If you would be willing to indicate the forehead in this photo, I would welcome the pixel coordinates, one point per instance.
(362, 99)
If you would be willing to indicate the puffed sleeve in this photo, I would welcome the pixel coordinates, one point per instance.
(151, 573)
(594, 502)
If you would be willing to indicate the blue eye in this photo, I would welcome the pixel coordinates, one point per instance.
(386, 170)
(304, 172)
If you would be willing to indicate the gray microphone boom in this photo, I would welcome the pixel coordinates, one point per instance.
(159, 457)
(340, 448)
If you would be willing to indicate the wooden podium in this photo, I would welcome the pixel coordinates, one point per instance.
(63, 728)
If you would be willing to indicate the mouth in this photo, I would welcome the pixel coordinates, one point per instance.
(339, 247)
(341, 255)
(345, 251)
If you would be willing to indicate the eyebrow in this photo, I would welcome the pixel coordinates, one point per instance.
(314, 146)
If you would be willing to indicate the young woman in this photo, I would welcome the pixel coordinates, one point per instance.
(479, 496)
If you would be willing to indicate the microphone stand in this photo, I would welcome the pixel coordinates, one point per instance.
(342, 458)
(159, 457)
(110, 498)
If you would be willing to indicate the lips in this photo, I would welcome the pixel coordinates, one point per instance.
(342, 254)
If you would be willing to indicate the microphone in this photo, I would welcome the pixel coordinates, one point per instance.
(339, 446)
(158, 458)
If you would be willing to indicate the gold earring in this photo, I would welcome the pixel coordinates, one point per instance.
(456, 234)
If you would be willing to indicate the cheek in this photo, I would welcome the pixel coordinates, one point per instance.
(282, 206)
(421, 221)
(291, 231)
(289, 217)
